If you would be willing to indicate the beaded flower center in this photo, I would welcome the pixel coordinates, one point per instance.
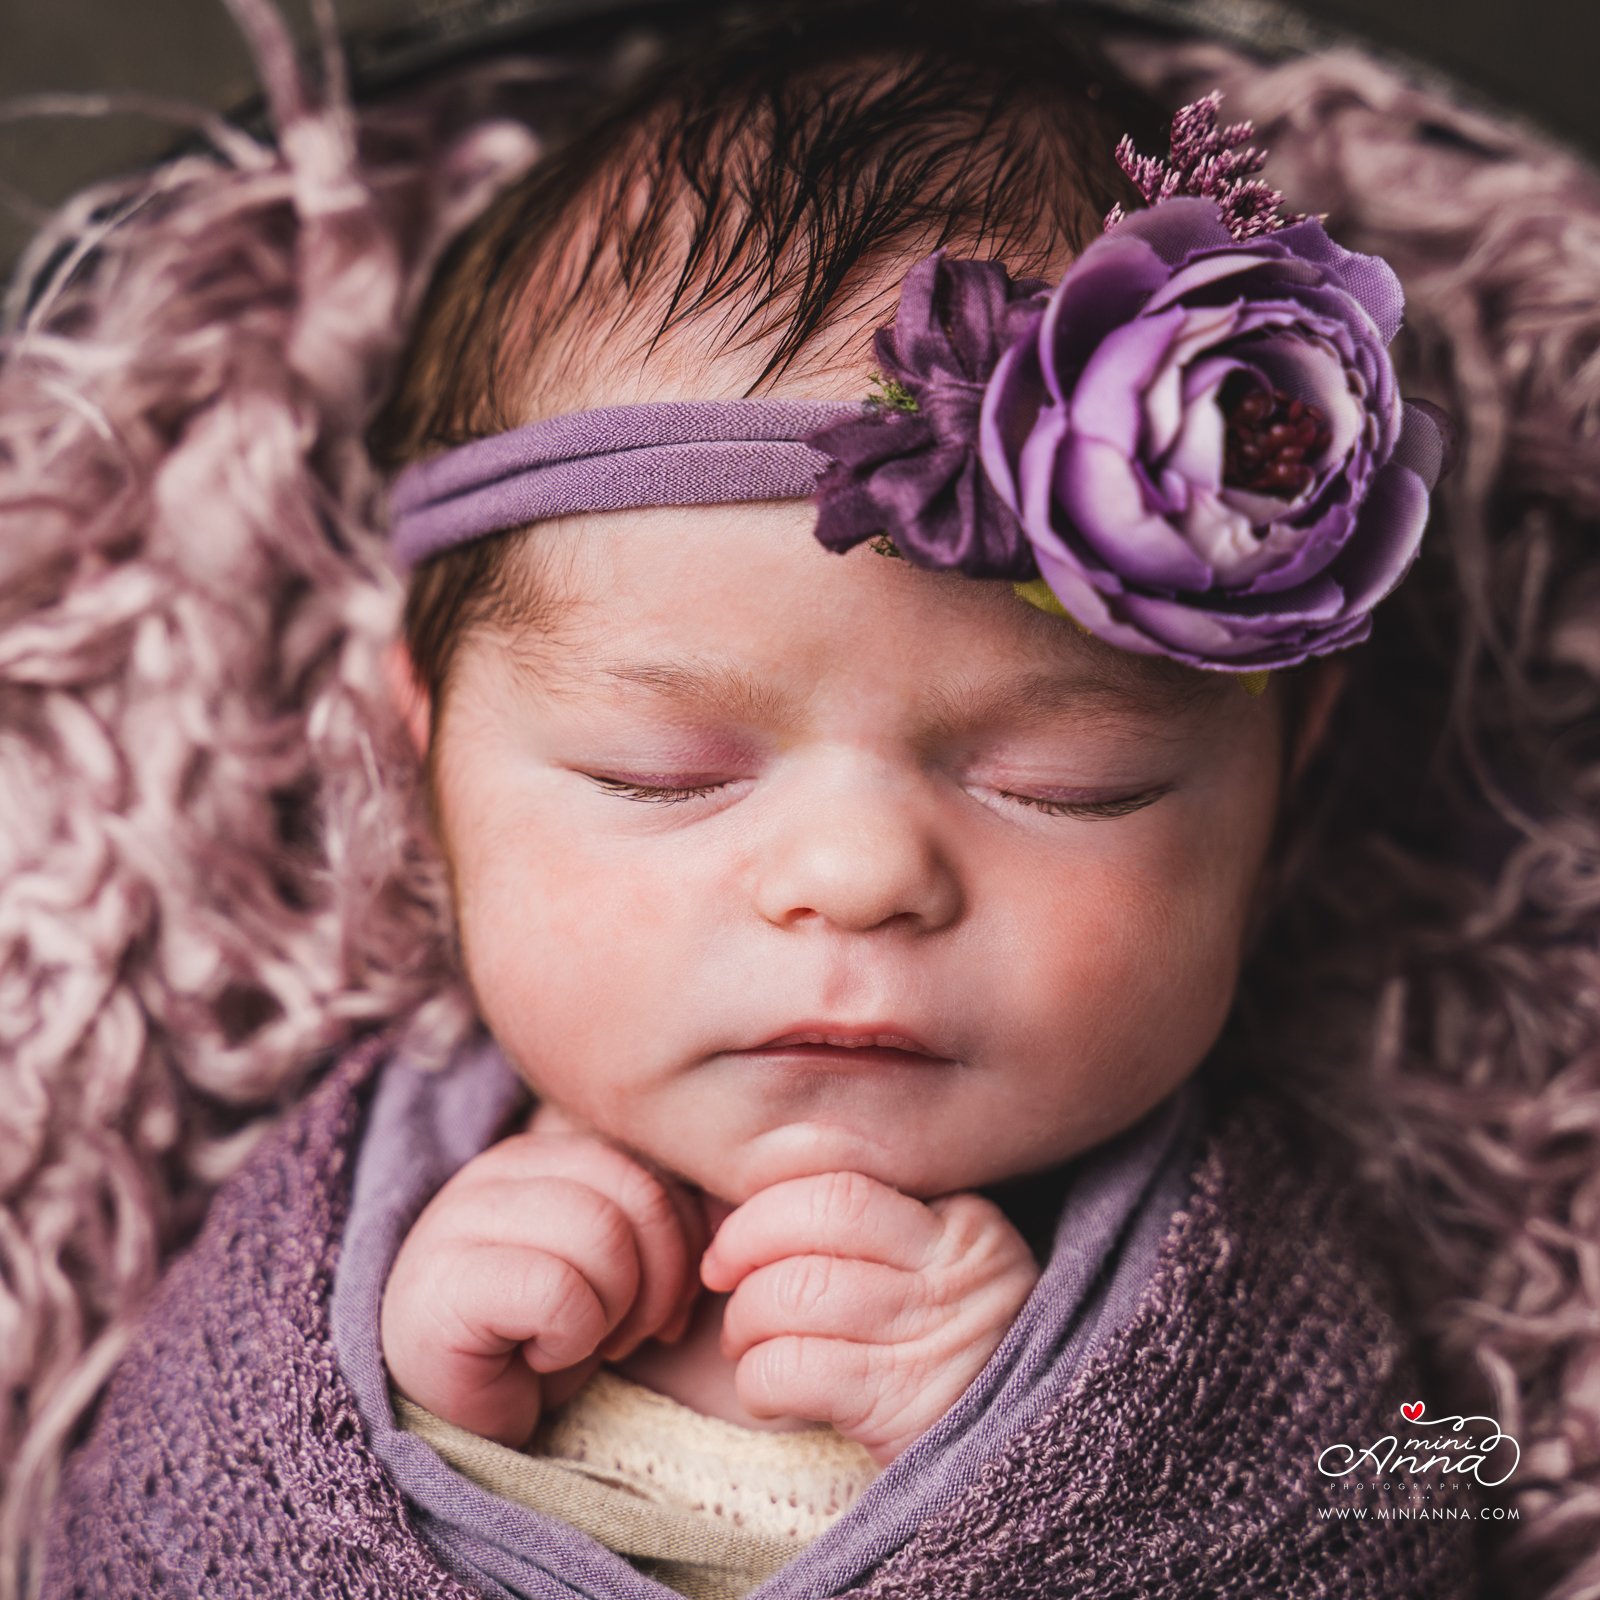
(1269, 436)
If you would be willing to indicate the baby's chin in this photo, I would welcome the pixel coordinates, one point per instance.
(797, 1153)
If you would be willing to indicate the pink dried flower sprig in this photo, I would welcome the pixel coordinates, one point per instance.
(1202, 161)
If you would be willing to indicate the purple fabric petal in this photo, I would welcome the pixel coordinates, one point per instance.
(1010, 410)
(949, 323)
(1099, 493)
(1106, 287)
(1299, 554)
(1177, 228)
(1396, 507)
(1107, 402)
(1426, 443)
(1206, 271)
(1196, 450)
(1369, 280)
(1162, 400)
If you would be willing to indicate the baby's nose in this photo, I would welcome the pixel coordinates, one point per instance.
(858, 847)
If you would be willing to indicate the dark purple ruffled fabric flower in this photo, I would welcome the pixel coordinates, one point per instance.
(915, 474)
(1205, 444)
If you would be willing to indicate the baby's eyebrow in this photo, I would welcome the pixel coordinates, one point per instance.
(724, 687)
(1085, 691)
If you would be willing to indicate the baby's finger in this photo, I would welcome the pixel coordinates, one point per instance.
(828, 1213)
(671, 1236)
(668, 1233)
(557, 1303)
(832, 1296)
(824, 1380)
(696, 1235)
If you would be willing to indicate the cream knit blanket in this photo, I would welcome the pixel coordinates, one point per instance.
(700, 1504)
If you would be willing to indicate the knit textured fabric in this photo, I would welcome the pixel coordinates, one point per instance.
(700, 1504)
(1094, 1223)
(227, 1456)
(788, 1484)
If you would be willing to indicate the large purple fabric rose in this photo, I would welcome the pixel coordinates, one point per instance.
(1204, 441)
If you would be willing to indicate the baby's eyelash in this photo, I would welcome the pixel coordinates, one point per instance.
(1092, 810)
(642, 791)
(1088, 810)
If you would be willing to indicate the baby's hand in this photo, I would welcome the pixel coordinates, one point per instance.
(855, 1304)
(548, 1253)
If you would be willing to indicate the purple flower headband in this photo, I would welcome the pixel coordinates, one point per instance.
(1194, 445)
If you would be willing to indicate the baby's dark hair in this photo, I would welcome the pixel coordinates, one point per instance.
(758, 180)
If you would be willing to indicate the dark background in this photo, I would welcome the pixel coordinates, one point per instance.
(1535, 58)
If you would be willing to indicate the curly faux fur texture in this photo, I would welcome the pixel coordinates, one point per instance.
(214, 869)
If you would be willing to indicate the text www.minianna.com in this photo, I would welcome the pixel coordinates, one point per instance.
(1425, 1513)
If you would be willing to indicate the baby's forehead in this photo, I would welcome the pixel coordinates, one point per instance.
(730, 640)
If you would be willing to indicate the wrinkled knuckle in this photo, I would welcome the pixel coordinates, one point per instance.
(916, 1309)
(417, 1341)
(860, 1404)
(612, 1237)
(977, 1235)
(646, 1195)
(804, 1288)
(453, 1278)
(554, 1288)
(968, 1219)
(845, 1197)
(785, 1364)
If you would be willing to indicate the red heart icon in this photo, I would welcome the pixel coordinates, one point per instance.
(1411, 1411)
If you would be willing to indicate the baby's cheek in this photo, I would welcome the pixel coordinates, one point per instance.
(1130, 972)
(1180, 952)
(570, 951)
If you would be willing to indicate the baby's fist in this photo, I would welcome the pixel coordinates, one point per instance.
(856, 1304)
(550, 1251)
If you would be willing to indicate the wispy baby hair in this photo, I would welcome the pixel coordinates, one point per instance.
(748, 179)
(766, 177)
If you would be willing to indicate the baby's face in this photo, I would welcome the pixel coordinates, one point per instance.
(920, 807)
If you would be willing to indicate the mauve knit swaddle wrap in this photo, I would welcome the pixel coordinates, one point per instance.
(228, 1457)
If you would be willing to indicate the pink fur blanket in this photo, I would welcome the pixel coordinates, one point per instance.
(213, 868)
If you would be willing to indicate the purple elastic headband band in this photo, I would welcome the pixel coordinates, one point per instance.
(616, 458)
